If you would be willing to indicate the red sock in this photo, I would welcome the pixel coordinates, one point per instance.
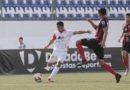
(81, 51)
(109, 69)
(125, 61)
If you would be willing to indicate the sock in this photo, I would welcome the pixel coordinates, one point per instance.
(81, 51)
(54, 72)
(109, 69)
(125, 61)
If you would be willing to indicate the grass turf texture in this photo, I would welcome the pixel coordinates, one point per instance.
(66, 81)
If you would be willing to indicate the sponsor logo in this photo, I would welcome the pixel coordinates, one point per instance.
(76, 57)
(30, 59)
(73, 58)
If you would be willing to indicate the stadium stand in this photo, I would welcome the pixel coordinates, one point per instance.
(65, 9)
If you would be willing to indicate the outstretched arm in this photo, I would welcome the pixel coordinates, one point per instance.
(119, 40)
(92, 23)
(50, 42)
(104, 37)
(81, 32)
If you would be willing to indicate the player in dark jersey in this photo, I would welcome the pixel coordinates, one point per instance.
(126, 43)
(97, 44)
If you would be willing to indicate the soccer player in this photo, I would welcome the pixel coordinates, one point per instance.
(126, 43)
(61, 40)
(97, 44)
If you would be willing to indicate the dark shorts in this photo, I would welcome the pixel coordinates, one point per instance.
(126, 46)
(93, 44)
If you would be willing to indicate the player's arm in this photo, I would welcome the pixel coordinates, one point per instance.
(122, 35)
(105, 30)
(104, 36)
(81, 32)
(50, 42)
(128, 33)
(92, 23)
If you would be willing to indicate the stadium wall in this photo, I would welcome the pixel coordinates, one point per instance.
(37, 33)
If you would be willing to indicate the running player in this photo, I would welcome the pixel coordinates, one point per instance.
(61, 39)
(126, 43)
(97, 44)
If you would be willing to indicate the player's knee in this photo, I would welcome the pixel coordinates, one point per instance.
(101, 62)
(58, 64)
(49, 64)
(124, 53)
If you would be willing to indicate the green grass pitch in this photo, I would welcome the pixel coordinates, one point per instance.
(66, 81)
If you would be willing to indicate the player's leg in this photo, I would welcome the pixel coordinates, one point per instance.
(49, 65)
(54, 71)
(80, 49)
(106, 66)
(61, 59)
(99, 51)
(125, 61)
(128, 61)
(52, 61)
(83, 42)
(109, 69)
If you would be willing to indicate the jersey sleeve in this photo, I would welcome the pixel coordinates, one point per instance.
(104, 24)
(124, 29)
(71, 32)
(53, 37)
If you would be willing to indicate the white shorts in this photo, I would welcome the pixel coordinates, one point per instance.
(57, 57)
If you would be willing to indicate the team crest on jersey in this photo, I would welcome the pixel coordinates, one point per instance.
(103, 22)
(60, 37)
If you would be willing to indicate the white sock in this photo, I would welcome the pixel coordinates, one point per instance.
(54, 72)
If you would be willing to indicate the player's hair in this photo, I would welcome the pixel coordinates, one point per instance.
(21, 38)
(102, 11)
(127, 14)
(60, 23)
